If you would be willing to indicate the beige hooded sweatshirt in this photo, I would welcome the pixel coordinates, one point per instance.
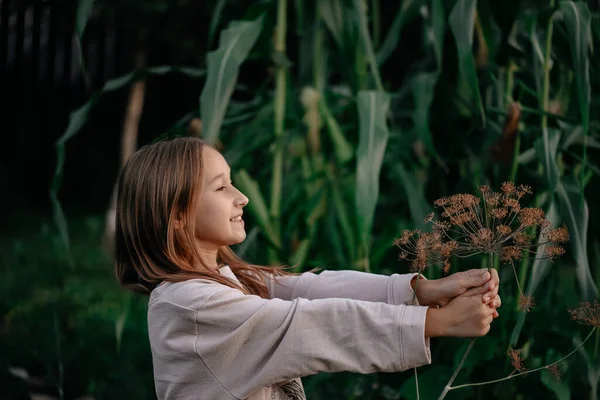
(213, 342)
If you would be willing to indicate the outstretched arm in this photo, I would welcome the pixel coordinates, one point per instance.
(395, 289)
(248, 342)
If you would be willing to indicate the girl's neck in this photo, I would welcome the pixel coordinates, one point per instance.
(208, 260)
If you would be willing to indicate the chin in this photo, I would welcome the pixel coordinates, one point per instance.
(239, 240)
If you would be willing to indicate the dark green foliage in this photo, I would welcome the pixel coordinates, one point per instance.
(449, 128)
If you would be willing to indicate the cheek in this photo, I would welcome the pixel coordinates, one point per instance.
(211, 218)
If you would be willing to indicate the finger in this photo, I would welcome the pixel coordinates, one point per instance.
(478, 291)
(495, 314)
(496, 303)
(474, 278)
(495, 279)
(490, 296)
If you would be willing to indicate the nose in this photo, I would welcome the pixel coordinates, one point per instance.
(242, 200)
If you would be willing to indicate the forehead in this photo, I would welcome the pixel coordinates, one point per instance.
(213, 162)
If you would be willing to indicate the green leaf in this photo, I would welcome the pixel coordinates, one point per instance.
(576, 216)
(560, 388)
(462, 20)
(342, 214)
(415, 192)
(540, 266)
(407, 11)
(256, 205)
(547, 150)
(361, 13)
(332, 13)
(373, 136)
(79, 117)
(577, 19)
(343, 149)
(120, 322)
(84, 9)
(299, 257)
(431, 384)
(235, 44)
(438, 25)
(423, 89)
(214, 20)
(539, 271)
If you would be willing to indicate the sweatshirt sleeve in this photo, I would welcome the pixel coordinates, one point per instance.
(248, 342)
(394, 289)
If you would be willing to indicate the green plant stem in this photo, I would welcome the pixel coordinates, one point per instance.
(375, 23)
(525, 372)
(417, 383)
(510, 85)
(448, 386)
(359, 7)
(318, 59)
(413, 302)
(279, 121)
(544, 100)
(546, 88)
(596, 343)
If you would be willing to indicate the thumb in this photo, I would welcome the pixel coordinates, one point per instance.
(476, 277)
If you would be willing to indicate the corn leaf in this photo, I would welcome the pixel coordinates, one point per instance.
(224, 63)
(373, 136)
(547, 150)
(415, 192)
(462, 19)
(361, 13)
(332, 13)
(78, 119)
(256, 205)
(120, 322)
(343, 149)
(438, 26)
(84, 9)
(214, 20)
(577, 19)
(539, 271)
(343, 216)
(576, 215)
(407, 10)
(423, 89)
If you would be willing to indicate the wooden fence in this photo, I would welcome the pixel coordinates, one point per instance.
(41, 83)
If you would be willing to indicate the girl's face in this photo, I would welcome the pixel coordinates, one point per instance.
(219, 212)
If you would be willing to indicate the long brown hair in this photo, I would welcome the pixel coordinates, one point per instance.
(159, 185)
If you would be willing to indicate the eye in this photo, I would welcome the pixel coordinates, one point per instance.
(221, 188)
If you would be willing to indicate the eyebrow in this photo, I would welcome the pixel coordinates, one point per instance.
(221, 175)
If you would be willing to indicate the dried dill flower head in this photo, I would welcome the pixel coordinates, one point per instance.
(516, 359)
(493, 223)
(587, 313)
(526, 303)
(555, 372)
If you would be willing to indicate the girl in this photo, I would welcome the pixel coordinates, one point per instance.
(223, 329)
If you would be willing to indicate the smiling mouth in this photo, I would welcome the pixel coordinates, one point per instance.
(237, 219)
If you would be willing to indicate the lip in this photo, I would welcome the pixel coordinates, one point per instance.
(237, 222)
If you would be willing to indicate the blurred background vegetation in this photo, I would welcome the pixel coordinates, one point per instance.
(342, 120)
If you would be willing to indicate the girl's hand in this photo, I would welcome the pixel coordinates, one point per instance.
(440, 292)
(464, 316)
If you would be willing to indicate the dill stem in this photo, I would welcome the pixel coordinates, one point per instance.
(525, 372)
(413, 302)
(448, 386)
